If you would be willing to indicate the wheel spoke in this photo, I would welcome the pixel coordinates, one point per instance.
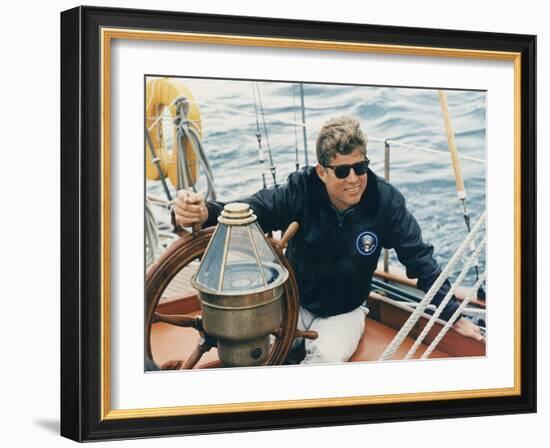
(172, 365)
(179, 320)
(202, 347)
(312, 335)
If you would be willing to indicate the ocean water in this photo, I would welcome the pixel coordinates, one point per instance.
(408, 115)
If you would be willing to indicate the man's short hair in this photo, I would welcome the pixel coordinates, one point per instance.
(339, 135)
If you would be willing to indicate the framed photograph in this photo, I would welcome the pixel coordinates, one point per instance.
(276, 224)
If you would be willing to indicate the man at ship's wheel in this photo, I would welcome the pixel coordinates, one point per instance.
(347, 215)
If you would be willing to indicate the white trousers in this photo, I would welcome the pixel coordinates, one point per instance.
(338, 335)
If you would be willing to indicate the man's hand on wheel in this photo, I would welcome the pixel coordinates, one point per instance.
(190, 209)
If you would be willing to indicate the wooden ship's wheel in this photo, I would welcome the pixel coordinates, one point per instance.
(190, 248)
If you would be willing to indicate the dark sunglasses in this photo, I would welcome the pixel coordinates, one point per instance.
(342, 171)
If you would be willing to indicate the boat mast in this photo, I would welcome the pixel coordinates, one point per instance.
(459, 180)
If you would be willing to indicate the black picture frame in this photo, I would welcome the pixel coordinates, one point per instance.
(83, 407)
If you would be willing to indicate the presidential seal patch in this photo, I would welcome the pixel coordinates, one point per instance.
(366, 243)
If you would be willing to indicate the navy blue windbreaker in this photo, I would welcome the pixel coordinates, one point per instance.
(334, 254)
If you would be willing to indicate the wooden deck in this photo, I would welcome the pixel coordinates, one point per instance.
(170, 343)
(175, 343)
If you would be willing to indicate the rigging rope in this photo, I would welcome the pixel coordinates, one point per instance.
(244, 112)
(199, 151)
(261, 158)
(422, 148)
(156, 161)
(295, 127)
(151, 235)
(160, 117)
(272, 167)
(467, 266)
(455, 316)
(181, 124)
(371, 138)
(413, 318)
(304, 130)
(187, 129)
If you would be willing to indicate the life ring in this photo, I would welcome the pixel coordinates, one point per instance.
(160, 96)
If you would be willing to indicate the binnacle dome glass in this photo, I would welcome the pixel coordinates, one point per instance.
(239, 259)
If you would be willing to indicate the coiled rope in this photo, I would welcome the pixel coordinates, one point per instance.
(187, 129)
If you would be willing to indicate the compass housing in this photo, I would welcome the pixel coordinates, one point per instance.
(240, 282)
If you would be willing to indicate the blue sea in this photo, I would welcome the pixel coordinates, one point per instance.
(409, 115)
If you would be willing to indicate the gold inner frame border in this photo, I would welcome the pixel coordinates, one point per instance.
(107, 35)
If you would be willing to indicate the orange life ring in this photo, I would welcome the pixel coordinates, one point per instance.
(160, 98)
